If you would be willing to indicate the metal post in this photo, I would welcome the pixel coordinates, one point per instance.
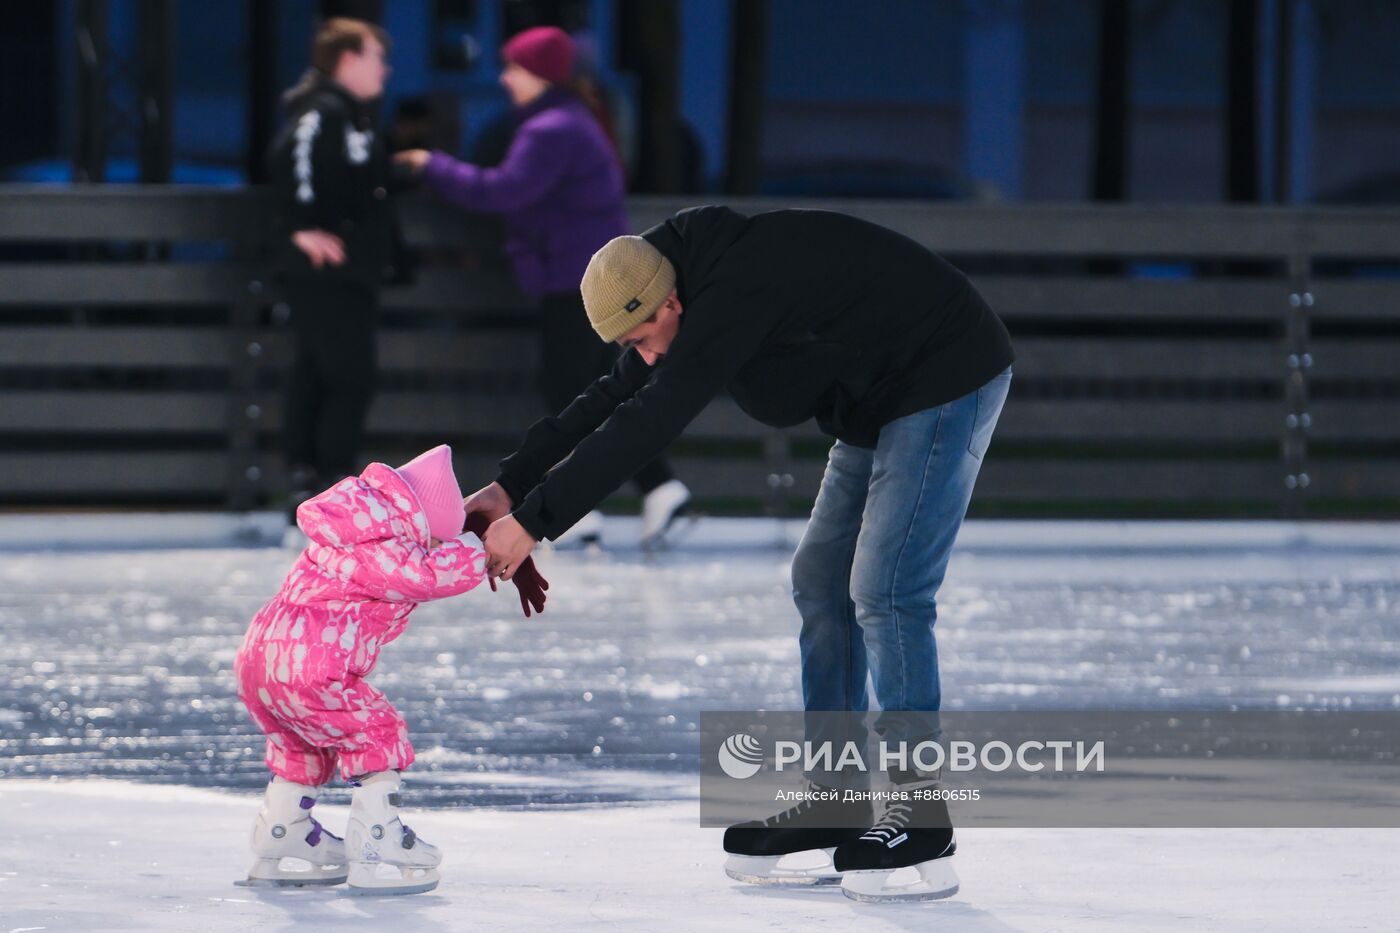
(1271, 90)
(648, 42)
(1279, 77)
(1298, 359)
(747, 75)
(90, 97)
(262, 89)
(246, 475)
(245, 472)
(1242, 102)
(156, 79)
(1112, 102)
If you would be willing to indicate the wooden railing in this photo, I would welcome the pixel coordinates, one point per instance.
(1172, 361)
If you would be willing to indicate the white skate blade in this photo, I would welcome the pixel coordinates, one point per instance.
(796, 868)
(272, 873)
(381, 878)
(932, 880)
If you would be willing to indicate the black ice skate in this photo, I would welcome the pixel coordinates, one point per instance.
(915, 833)
(794, 838)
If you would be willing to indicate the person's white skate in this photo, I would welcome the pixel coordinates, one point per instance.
(386, 857)
(290, 848)
(662, 511)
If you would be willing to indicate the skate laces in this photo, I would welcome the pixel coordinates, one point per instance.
(791, 813)
(893, 820)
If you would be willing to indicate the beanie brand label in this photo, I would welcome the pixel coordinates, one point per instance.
(633, 305)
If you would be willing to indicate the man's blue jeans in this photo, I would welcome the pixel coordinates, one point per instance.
(866, 575)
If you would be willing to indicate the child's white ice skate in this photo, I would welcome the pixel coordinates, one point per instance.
(386, 857)
(290, 848)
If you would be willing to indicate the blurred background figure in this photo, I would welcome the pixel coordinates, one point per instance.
(335, 244)
(560, 188)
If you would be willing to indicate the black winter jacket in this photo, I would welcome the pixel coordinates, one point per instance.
(329, 171)
(799, 314)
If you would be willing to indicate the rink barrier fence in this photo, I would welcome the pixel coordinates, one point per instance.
(1171, 360)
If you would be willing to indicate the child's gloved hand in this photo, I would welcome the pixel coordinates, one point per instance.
(531, 586)
(529, 583)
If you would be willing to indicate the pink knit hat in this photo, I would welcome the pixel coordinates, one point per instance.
(545, 51)
(430, 477)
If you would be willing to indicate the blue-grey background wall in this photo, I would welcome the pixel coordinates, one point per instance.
(927, 97)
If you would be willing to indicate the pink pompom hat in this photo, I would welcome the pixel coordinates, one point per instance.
(430, 477)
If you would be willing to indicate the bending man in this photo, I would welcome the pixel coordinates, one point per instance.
(798, 314)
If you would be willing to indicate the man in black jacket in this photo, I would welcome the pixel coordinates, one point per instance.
(798, 314)
(334, 246)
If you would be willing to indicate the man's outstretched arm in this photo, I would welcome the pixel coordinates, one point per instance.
(550, 440)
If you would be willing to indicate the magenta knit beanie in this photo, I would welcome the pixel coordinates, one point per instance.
(430, 477)
(545, 51)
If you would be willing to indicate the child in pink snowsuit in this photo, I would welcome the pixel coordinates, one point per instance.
(377, 550)
(381, 543)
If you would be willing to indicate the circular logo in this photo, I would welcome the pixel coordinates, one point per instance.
(741, 756)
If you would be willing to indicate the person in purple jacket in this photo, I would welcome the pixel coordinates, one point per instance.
(560, 190)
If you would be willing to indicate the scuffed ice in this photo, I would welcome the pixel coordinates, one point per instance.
(119, 664)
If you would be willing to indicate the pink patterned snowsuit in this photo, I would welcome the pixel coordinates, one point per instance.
(302, 665)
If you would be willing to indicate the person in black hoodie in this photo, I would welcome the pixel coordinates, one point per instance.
(335, 245)
(798, 314)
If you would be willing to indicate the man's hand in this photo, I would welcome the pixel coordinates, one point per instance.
(490, 501)
(529, 582)
(415, 160)
(485, 506)
(320, 247)
(507, 546)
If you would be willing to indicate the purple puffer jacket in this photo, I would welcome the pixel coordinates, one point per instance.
(560, 189)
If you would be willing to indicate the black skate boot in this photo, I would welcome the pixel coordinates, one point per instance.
(915, 833)
(756, 848)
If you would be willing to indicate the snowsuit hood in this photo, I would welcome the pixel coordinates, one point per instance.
(360, 509)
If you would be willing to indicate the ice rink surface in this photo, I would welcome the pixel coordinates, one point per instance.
(557, 755)
(99, 856)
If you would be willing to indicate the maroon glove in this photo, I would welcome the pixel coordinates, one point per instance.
(530, 585)
(527, 579)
